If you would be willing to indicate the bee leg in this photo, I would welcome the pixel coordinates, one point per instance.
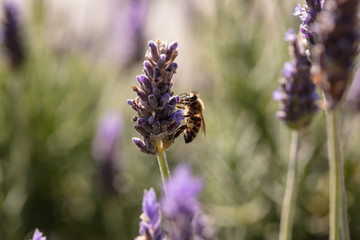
(180, 107)
(179, 131)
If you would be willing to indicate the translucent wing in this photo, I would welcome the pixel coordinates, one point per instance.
(203, 123)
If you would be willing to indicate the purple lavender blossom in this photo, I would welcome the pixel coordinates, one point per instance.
(108, 132)
(296, 94)
(336, 35)
(307, 15)
(155, 104)
(150, 218)
(38, 235)
(183, 208)
(13, 42)
(128, 31)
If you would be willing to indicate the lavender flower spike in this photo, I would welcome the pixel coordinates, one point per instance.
(336, 35)
(183, 207)
(150, 218)
(13, 42)
(155, 104)
(38, 235)
(296, 94)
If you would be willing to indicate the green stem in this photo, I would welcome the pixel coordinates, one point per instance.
(288, 208)
(338, 202)
(164, 167)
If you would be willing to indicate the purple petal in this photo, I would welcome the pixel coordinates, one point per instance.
(290, 35)
(278, 94)
(38, 235)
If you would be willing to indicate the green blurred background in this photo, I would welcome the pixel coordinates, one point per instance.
(82, 59)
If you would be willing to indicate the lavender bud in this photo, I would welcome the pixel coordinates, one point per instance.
(156, 127)
(161, 61)
(13, 41)
(141, 130)
(172, 67)
(157, 73)
(165, 98)
(336, 38)
(148, 69)
(172, 48)
(156, 91)
(153, 101)
(140, 144)
(151, 120)
(154, 51)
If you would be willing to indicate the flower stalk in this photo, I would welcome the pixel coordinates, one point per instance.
(164, 167)
(338, 202)
(288, 207)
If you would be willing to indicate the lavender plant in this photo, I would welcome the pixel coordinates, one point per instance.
(336, 37)
(150, 218)
(104, 146)
(128, 29)
(307, 14)
(297, 98)
(183, 215)
(13, 42)
(155, 104)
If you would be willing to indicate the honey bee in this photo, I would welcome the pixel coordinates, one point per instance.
(193, 107)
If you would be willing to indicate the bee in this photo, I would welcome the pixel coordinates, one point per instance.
(193, 107)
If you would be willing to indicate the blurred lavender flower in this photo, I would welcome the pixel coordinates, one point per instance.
(155, 104)
(38, 235)
(108, 132)
(336, 35)
(128, 31)
(13, 42)
(353, 97)
(183, 208)
(297, 93)
(307, 15)
(150, 218)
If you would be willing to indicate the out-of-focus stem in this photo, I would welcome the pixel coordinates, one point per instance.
(338, 202)
(288, 208)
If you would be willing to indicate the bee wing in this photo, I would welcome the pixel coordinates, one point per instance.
(203, 123)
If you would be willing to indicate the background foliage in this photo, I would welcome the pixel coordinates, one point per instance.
(231, 52)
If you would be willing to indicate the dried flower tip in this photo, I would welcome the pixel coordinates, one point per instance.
(336, 38)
